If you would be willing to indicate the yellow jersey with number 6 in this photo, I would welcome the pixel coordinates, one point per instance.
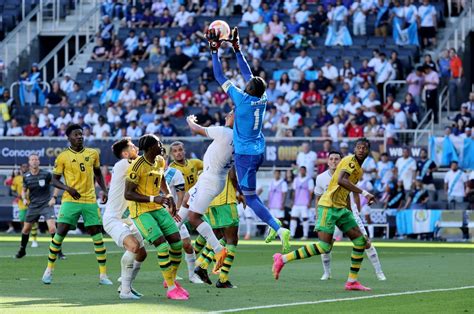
(336, 196)
(190, 170)
(147, 176)
(77, 169)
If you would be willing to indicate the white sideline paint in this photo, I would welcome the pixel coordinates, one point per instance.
(343, 299)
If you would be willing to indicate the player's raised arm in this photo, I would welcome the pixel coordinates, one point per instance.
(243, 65)
(214, 44)
(196, 128)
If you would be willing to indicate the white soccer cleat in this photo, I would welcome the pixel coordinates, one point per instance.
(178, 278)
(47, 276)
(34, 244)
(381, 276)
(104, 280)
(129, 296)
(326, 276)
(119, 279)
(195, 279)
(304, 239)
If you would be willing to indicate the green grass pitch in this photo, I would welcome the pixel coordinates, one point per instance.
(409, 267)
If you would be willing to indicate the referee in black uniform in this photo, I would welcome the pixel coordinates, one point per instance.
(37, 195)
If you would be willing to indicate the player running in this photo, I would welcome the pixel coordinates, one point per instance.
(224, 219)
(144, 183)
(333, 210)
(188, 170)
(322, 183)
(36, 194)
(79, 166)
(249, 142)
(117, 222)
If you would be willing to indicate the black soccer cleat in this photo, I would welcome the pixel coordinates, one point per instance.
(61, 255)
(21, 253)
(203, 275)
(226, 284)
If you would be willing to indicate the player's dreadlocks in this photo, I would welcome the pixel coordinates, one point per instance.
(147, 141)
(363, 140)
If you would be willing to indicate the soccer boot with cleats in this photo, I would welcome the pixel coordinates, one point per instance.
(193, 278)
(203, 275)
(129, 296)
(34, 244)
(326, 276)
(356, 286)
(381, 276)
(225, 285)
(271, 234)
(105, 281)
(277, 265)
(285, 241)
(21, 253)
(176, 294)
(61, 256)
(47, 276)
(135, 292)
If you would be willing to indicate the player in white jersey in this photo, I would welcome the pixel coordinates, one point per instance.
(117, 222)
(322, 183)
(175, 181)
(217, 163)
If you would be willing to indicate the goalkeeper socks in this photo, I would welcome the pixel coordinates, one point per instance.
(205, 230)
(191, 262)
(176, 250)
(34, 231)
(224, 275)
(293, 224)
(262, 212)
(54, 249)
(100, 252)
(374, 258)
(326, 260)
(356, 258)
(165, 264)
(307, 251)
(136, 268)
(126, 271)
(199, 244)
(24, 241)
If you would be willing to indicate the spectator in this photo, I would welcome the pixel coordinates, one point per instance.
(424, 170)
(219, 97)
(173, 106)
(127, 96)
(101, 129)
(260, 26)
(363, 74)
(406, 167)
(134, 73)
(158, 7)
(106, 30)
(276, 26)
(167, 129)
(470, 103)
(384, 173)
(455, 185)
(43, 115)
(266, 38)
(353, 129)
(64, 118)
(131, 43)
(369, 167)
(179, 61)
(382, 20)
(67, 84)
(311, 97)
(282, 128)
(336, 129)
(323, 156)
(250, 17)
(98, 86)
(204, 118)
(457, 72)
(99, 52)
(418, 198)
(139, 52)
(335, 106)
(148, 20)
(345, 70)
(272, 117)
(323, 118)
(153, 128)
(165, 20)
(364, 92)
(399, 117)
(294, 94)
(272, 92)
(344, 149)
(395, 195)
(207, 75)
(147, 117)
(284, 84)
(117, 51)
(411, 110)
(396, 65)
(359, 13)
(303, 62)
(464, 115)
(428, 61)
(14, 129)
(203, 97)
(181, 17)
(134, 19)
(48, 129)
(383, 73)
(32, 129)
(303, 14)
(79, 119)
(131, 114)
(77, 97)
(329, 71)
(338, 15)
(353, 104)
(430, 85)
(444, 65)
(133, 130)
(415, 82)
(295, 118)
(190, 49)
(427, 23)
(320, 21)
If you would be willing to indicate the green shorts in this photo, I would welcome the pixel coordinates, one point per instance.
(330, 217)
(155, 224)
(70, 212)
(22, 215)
(191, 228)
(223, 216)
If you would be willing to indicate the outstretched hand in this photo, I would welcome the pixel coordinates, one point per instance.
(213, 37)
(234, 39)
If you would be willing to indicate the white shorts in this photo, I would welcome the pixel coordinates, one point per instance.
(245, 213)
(118, 230)
(205, 190)
(300, 211)
(277, 213)
(183, 232)
(359, 223)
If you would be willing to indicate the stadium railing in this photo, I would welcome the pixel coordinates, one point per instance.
(443, 102)
(386, 84)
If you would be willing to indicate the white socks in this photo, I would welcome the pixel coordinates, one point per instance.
(326, 259)
(293, 224)
(305, 224)
(183, 213)
(136, 269)
(126, 271)
(248, 224)
(205, 230)
(371, 231)
(190, 260)
(374, 258)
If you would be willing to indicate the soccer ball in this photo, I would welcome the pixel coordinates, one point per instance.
(221, 26)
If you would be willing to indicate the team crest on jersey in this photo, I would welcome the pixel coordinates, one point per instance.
(87, 158)
(41, 183)
(73, 160)
(133, 176)
(352, 165)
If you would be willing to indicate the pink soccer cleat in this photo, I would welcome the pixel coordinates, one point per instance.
(176, 294)
(184, 291)
(356, 286)
(277, 265)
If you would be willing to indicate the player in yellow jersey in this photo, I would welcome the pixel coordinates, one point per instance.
(223, 217)
(334, 210)
(145, 182)
(190, 169)
(80, 167)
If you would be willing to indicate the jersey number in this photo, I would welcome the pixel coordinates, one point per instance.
(156, 182)
(83, 168)
(190, 179)
(257, 119)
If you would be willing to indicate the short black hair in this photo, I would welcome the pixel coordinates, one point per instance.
(119, 146)
(303, 167)
(73, 127)
(363, 140)
(384, 154)
(335, 152)
(147, 141)
(257, 86)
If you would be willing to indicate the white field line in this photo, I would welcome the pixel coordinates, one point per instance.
(343, 299)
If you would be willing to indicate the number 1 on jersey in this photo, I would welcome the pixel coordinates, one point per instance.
(256, 114)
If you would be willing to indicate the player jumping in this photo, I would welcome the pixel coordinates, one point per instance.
(333, 210)
(117, 222)
(249, 142)
(79, 166)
